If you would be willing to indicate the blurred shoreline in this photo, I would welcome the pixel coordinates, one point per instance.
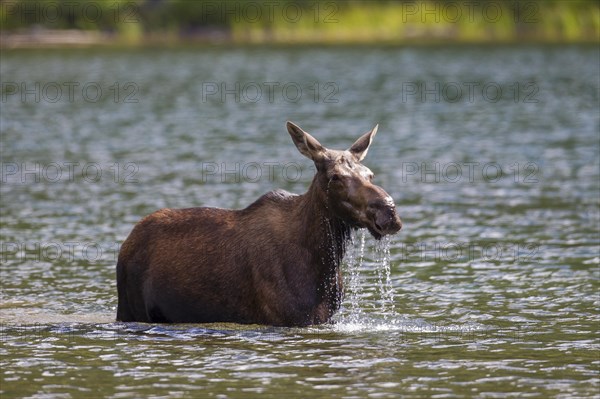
(49, 38)
(92, 23)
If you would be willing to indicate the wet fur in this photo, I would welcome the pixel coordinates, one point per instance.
(246, 266)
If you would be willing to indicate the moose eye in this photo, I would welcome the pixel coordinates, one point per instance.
(335, 177)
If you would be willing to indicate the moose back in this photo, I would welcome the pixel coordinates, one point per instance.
(275, 262)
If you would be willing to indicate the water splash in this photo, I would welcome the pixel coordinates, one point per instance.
(384, 279)
(354, 259)
(360, 289)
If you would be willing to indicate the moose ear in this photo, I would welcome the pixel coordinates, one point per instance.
(306, 144)
(361, 146)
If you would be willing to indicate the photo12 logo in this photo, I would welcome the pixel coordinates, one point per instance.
(465, 251)
(469, 92)
(291, 12)
(69, 92)
(68, 172)
(469, 172)
(470, 11)
(16, 252)
(270, 92)
(51, 12)
(250, 172)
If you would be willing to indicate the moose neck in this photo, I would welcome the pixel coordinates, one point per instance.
(323, 230)
(327, 236)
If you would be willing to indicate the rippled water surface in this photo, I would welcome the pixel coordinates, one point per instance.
(492, 155)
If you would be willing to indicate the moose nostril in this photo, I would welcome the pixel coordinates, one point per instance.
(375, 204)
(379, 204)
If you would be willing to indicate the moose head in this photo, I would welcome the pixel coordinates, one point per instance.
(346, 185)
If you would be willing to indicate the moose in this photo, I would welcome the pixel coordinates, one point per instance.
(276, 262)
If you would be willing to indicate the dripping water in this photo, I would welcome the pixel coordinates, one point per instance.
(354, 260)
(384, 278)
(367, 277)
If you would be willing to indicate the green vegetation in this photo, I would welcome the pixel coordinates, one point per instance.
(306, 21)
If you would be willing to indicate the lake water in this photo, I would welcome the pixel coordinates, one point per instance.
(492, 156)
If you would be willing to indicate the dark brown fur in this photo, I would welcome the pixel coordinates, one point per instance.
(276, 262)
